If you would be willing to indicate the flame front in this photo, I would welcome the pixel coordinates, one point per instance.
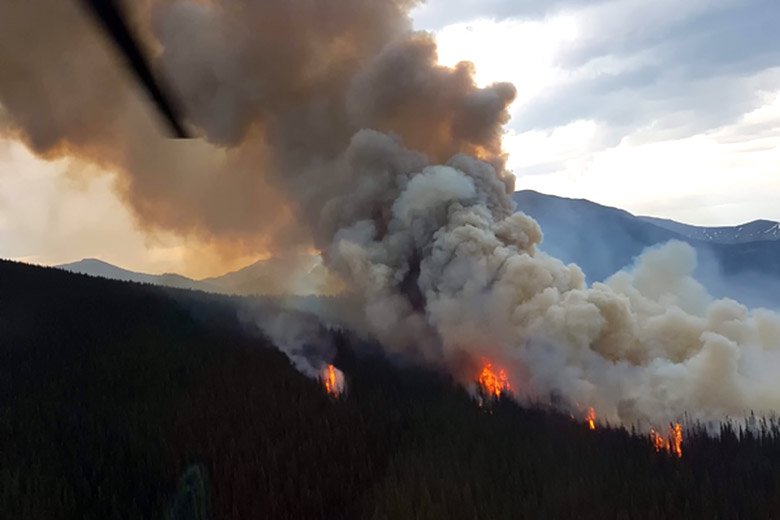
(657, 441)
(675, 440)
(492, 383)
(329, 380)
(673, 444)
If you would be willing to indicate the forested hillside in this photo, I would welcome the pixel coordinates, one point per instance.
(121, 400)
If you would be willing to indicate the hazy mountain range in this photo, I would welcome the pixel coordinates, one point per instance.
(758, 230)
(741, 261)
(296, 275)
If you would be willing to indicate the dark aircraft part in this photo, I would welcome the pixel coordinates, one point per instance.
(112, 20)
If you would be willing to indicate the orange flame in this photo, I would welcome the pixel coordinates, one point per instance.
(591, 419)
(675, 437)
(657, 441)
(492, 383)
(329, 380)
(673, 444)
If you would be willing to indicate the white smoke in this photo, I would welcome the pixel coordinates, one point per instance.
(301, 337)
(306, 342)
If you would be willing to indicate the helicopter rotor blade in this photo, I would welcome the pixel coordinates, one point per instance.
(112, 19)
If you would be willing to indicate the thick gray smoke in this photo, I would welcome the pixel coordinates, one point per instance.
(330, 124)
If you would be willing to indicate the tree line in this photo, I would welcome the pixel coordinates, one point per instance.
(122, 400)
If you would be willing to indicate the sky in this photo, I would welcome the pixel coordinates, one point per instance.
(659, 107)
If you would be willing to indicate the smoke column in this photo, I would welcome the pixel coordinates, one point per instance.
(304, 340)
(330, 124)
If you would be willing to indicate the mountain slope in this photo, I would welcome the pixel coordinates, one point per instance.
(111, 392)
(603, 240)
(95, 267)
(600, 239)
(300, 275)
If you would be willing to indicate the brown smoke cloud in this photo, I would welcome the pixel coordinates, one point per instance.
(276, 89)
(68, 95)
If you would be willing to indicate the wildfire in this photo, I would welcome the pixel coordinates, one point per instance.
(672, 444)
(590, 418)
(492, 383)
(330, 382)
(675, 438)
(657, 441)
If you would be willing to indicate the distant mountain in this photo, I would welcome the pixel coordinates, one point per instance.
(296, 275)
(603, 240)
(756, 231)
(95, 267)
(600, 239)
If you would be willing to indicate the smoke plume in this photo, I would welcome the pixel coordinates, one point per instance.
(277, 88)
(330, 124)
(300, 336)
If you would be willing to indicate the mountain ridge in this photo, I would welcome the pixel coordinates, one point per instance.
(753, 231)
(301, 274)
(101, 268)
(122, 389)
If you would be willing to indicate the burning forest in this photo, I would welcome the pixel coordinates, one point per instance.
(195, 395)
(335, 128)
(333, 380)
(494, 384)
(332, 126)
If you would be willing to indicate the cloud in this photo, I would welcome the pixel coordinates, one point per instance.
(720, 177)
(690, 66)
(703, 34)
(636, 63)
(653, 98)
(656, 106)
(436, 14)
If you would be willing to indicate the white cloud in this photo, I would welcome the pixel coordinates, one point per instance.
(708, 179)
(654, 106)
